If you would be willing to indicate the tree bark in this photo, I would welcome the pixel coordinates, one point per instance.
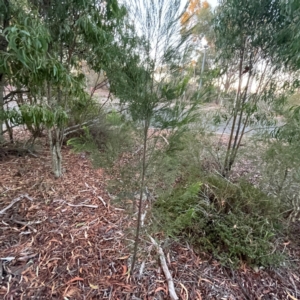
(1, 105)
(3, 48)
(55, 150)
(55, 136)
(138, 227)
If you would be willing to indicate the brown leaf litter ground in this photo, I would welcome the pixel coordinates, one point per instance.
(63, 239)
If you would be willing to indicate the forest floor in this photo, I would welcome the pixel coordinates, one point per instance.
(64, 239)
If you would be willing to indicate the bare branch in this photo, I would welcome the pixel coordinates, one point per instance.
(12, 93)
(167, 273)
(14, 202)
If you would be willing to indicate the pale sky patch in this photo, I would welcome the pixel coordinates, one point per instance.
(213, 3)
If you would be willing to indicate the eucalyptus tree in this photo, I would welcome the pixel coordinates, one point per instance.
(4, 23)
(282, 158)
(25, 53)
(285, 44)
(150, 82)
(80, 31)
(46, 43)
(244, 30)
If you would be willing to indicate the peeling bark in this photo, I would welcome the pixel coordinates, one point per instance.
(55, 150)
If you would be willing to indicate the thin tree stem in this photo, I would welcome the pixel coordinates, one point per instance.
(226, 167)
(138, 227)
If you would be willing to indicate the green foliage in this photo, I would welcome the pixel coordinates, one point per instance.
(281, 163)
(81, 109)
(237, 21)
(251, 78)
(83, 143)
(37, 116)
(114, 118)
(285, 44)
(221, 218)
(104, 139)
(27, 43)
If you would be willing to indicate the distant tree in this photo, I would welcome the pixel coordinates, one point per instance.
(243, 33)
(198, 19)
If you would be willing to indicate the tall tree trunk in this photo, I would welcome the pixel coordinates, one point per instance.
(1, 105)
(55, 149)
(55, 136)
(3, 48)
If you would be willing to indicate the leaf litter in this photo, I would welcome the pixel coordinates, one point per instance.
(63, 239)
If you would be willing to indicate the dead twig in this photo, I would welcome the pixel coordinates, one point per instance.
(167, 273)
(164, 139)
(80, 205)
(76, 205)
(14, 202)
(144, 216)
(27, 224)
(101, 199)
(142, 269)
(7, 189)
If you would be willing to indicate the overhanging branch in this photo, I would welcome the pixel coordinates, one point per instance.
(12, 93)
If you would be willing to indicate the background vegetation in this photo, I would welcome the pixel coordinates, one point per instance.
(200, 119)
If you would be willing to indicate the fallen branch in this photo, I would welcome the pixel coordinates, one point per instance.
(27, 224)
(22, 258)
(143, 216)
(164, 139)
(79, 205)
(101, 199)
(5, 191)
(76, 205)
(32, 154)
(142, 269)
(14, 202)
(167, 273)
(12, 93)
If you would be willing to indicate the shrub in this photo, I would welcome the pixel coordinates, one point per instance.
(233, 222)
(104, 139)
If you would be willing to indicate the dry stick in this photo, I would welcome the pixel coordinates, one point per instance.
(80, 205)
(27, 224)
(164, 139)
(103, 202)
(5, 191)
(14, 202)
(167, 273)
(142, 269)
(143, 216)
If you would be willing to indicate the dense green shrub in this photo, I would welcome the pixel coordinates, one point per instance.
(104, 139)
(234, 222)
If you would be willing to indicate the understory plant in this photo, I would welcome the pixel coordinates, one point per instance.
(281, 164)
(152, 87)
(104, 139)
(234, 222)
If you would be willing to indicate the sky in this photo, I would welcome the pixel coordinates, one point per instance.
(213, 3)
